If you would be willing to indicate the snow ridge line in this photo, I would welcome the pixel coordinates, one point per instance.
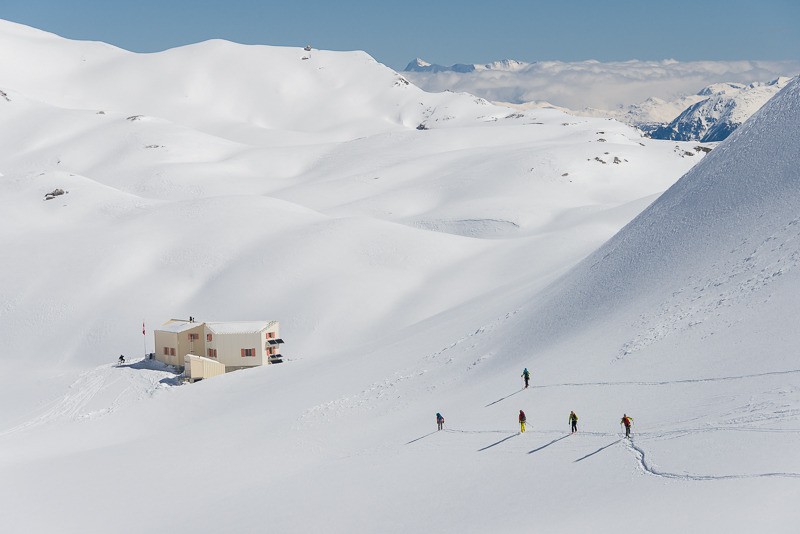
(671, 382)
(645, 466)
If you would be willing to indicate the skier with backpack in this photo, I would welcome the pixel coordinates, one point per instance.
(573, 421)
(121, 359)
(626, 422)
(522, 420)
(439, 420)
(527, 376)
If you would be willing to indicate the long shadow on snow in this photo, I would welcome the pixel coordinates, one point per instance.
(598, 450)
(499, 442)
(504, 398)
(150, 365)
(419, 438)
(543, 446)
(145, 364)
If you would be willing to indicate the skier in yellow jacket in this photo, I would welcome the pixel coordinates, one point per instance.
(573, 421)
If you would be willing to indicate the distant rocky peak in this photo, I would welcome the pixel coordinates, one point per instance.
(725, 108)
(723, 88)
(509, 65)
(417, 63)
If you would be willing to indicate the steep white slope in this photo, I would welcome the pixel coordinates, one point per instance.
(737, 207)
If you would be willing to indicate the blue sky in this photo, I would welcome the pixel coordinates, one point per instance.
(445, 32)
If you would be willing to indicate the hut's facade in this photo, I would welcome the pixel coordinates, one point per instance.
(235, 345)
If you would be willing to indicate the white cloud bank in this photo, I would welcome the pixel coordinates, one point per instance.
(577, 85)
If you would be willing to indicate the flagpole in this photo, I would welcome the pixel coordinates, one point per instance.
(144, 341)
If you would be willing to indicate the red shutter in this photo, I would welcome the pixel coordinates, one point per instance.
(242, 353)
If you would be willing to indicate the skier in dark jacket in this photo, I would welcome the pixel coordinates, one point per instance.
(522, 420)
(573, 421)
(121, 359)
(439, 420)
(526, 375)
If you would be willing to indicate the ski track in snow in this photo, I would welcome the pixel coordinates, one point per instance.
(637, 450)
(648, 468)
(670, 382)
(140, 382)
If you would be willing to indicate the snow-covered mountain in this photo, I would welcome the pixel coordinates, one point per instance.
(720, 109)
(505, 65)
(419, 250)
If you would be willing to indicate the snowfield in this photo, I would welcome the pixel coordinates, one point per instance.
(419, 251)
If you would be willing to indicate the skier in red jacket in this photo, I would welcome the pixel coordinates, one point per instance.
(626, 422)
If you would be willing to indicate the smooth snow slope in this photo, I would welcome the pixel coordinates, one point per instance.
(252, 94)
(413, 271)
